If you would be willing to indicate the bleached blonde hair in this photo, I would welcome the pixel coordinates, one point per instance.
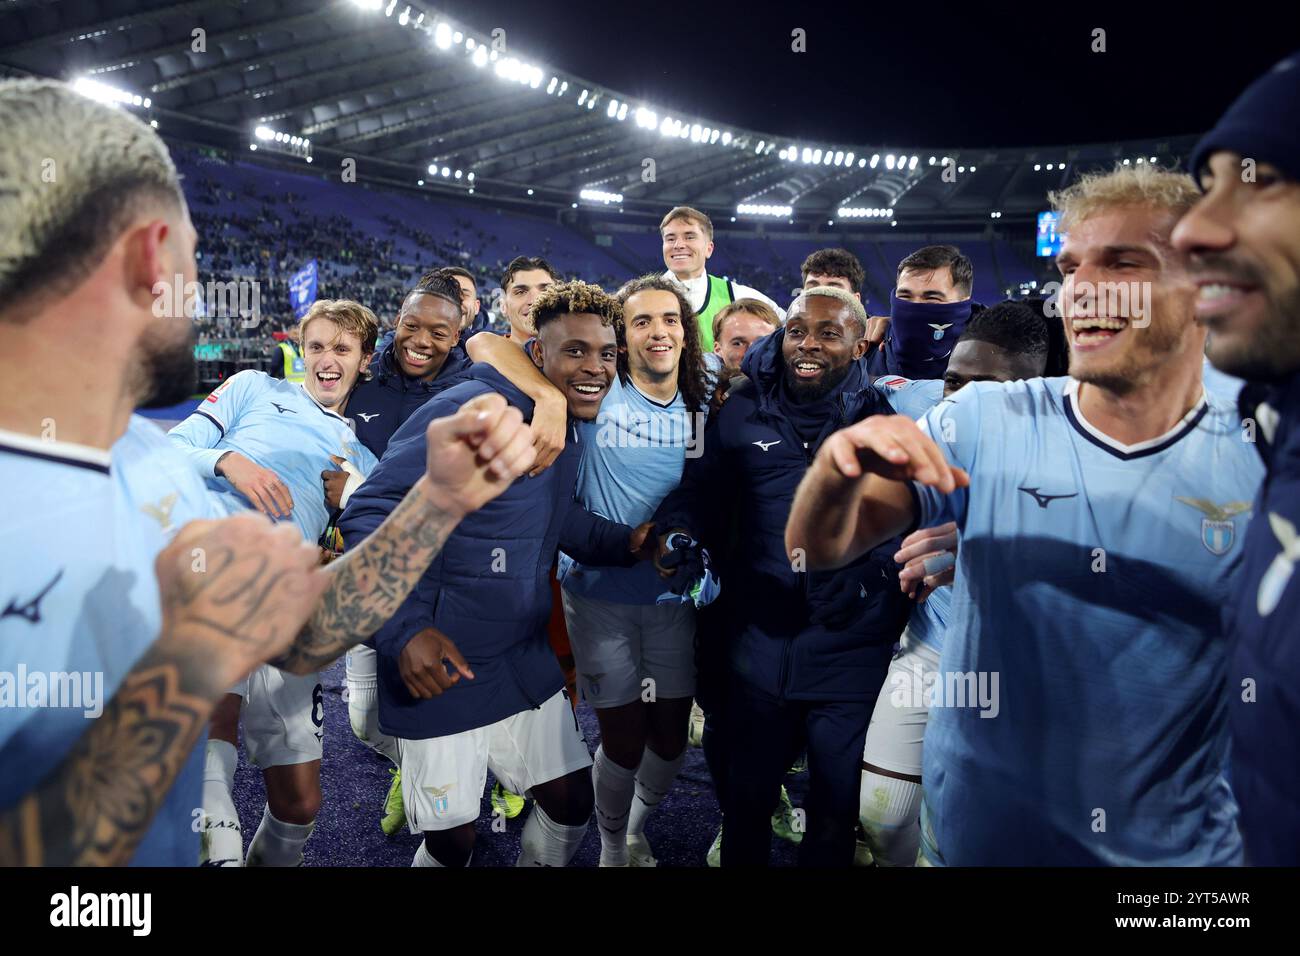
(1143, 185)
(847, 299)
(73, 172)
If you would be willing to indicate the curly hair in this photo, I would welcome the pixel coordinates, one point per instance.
(577, 298)
(691, 377)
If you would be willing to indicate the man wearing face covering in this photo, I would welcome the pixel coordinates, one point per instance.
(928, 311)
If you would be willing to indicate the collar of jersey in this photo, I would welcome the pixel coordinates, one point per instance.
(653, 401)
(1138, 449)
(84, 456)
(311, 398)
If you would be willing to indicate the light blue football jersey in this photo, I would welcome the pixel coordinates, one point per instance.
(634, 455)
(913, 398)
(1086, 618)
(80, 603)
(278, 425)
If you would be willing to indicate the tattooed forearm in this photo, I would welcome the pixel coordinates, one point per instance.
(95, 807)
(371, 582)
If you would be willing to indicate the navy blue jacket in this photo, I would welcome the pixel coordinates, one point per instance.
(488, 589)
(1265, 625)
(380, 405)
(792, 634)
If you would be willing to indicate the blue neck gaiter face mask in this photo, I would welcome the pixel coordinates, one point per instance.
(922, 334)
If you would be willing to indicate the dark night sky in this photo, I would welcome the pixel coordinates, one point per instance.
(912, 73)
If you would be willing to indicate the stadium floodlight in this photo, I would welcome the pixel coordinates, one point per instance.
(763, 209)
(622, 112)
(894, 222)
(1126, 162)
(471, 191)
(696, 133)
(391, 7)
(612, 109)
(154, 124)
(106, 93)
(599, 195)
(875, 158)
(442, 35)
(550, 87)
(816, 156)
(563, 87)
(146, 103)
(480, 57)
(470, 42)
(445, 172)
(457, 174)
(839, 157)
(806, 155)
(369, 4)
(574, 205)
(759, 148)
(1049, 167)
(457, 37)
(848, 159)
(264, 133)
(862, 162)
(912, 164)
(530, 192)
(683, 131)
(535, 77)
(591, 103)
(1140, 160)
(889, 161)
(419, 182)
(253, 147)
(713, 136)
(1037, 166)
(931, 163)
(405, 18)
(972, 169)
(433, 170)
(726, 137)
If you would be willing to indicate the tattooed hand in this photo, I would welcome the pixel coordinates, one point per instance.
(475, 454)
(242, 585)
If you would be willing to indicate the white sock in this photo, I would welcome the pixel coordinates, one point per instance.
(654, 778)
(222, 841)
(890, 810)
(363, 702)
(424, 858)
(615, 786)
(277, 843)
(547, 843)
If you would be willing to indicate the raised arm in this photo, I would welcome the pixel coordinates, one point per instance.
(855, 495)
(222, 617)
(472, 456)
(550, 411)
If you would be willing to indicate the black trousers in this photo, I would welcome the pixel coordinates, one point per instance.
(761, 737)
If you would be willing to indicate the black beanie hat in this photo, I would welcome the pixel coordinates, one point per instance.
(1263, 124)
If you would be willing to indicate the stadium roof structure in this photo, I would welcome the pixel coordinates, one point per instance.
(414, 97)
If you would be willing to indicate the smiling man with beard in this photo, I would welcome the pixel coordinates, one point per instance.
(499, 703)
(803, 655)
(1243, 242)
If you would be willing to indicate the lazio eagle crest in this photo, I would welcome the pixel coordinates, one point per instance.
(1218, 530)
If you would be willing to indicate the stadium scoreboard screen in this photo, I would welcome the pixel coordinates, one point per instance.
(1049, 238)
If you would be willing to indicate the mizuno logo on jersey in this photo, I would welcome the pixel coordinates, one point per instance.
(281, 409)
(31, 610)
(366, 418)
(1218, 530)
(1044, 500)
(162, 511)
(1275, 580)
(765, 445)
